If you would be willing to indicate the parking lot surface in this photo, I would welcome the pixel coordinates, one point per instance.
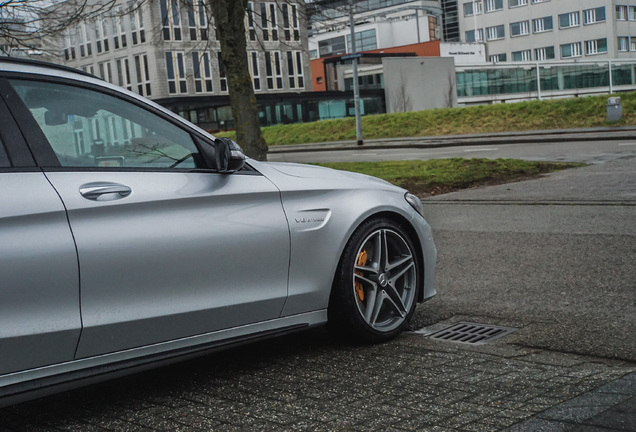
(310, 381)
(553, 258)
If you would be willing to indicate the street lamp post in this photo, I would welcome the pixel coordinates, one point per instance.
(356, 85)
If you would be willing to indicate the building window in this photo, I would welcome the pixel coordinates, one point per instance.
(269, 22)
(69, 44)
(541, 25)
(101, 34)
(632, 13)
(621, 12)
(121, 26)
(498, 58)
(175, 68)
(84, 39)
(623, 43)
(290, 22)
(632, 44)
(273, 70)
(595, 15)
(170, 19)
(494, 5)
(105, 72)
(546, 53)
(598, 46)
(517, 3)
(119, 31)
(571, 50)
(252, 60)
(202, 72)
(104, 23)
(365, 41)
(520, 28)
(333, 46)
(97, 26)
(572, 19)
(251, 28)
(473, 8)
(143, 75)
(197, 20)
(475, 35)
(89, 69)
(123, 73)
(137, 31)
(496, 32)
(295, 69)
(525, 55)
(222, 73)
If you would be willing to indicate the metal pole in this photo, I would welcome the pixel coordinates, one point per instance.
(538, 82)
(356, 85)
(611, 83)
(417, 23)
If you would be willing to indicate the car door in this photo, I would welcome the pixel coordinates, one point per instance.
(39, 284)
(167, 249)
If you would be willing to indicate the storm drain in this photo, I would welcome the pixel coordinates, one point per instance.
(472, 333)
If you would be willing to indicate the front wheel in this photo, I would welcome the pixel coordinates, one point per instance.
(375, 286)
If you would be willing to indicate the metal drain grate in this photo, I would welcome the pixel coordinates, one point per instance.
(472, 333)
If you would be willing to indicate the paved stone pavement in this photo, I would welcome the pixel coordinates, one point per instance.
(311, 381)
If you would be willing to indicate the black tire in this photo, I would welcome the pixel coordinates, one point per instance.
(375, 287)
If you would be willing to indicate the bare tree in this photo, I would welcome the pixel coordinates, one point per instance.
(229, 15)
(401, 98)
(451, 92)
(30, 24)
(33, 24)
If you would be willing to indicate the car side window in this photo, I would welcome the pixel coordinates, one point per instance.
(87, 128)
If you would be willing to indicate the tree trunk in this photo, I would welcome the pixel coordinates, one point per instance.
(229, 17)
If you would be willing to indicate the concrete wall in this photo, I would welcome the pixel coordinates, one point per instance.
(419, 83)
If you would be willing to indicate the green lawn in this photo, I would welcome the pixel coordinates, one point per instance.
(537, 115)
(436, 176)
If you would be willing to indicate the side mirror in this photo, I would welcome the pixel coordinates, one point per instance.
(228, 156)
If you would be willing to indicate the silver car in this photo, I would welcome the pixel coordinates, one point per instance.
(130, 238)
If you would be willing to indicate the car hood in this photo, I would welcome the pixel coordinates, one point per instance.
(317, 172)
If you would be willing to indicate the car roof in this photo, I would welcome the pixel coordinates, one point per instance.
(38, 67)
(25, 64)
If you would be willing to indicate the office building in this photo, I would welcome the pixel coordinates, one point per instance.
(543, 30)
(168, 51)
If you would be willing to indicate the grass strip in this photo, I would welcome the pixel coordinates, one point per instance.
(582, 112)
(435, 176)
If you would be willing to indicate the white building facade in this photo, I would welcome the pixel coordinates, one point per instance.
(168, 49)
(543, 30)
(378, 24)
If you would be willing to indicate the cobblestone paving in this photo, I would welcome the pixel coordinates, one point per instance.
(310, 382)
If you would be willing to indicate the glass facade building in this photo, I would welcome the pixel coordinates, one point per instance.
(544, 79)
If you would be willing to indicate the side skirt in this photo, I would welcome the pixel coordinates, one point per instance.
(23, 386)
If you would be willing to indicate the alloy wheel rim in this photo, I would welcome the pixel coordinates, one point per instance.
(384, 279)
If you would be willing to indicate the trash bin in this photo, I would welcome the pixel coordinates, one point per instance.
(614, 109)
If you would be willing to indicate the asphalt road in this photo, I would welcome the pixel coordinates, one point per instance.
(575, 151)
(554, 256)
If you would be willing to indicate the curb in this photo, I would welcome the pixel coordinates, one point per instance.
(520, 137)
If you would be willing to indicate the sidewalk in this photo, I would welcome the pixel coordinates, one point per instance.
(573, 220)
(518, 137)
(611, 407)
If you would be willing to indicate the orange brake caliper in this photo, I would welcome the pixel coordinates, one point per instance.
(362, 260)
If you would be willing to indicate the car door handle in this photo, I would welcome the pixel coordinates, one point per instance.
(102, 191)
